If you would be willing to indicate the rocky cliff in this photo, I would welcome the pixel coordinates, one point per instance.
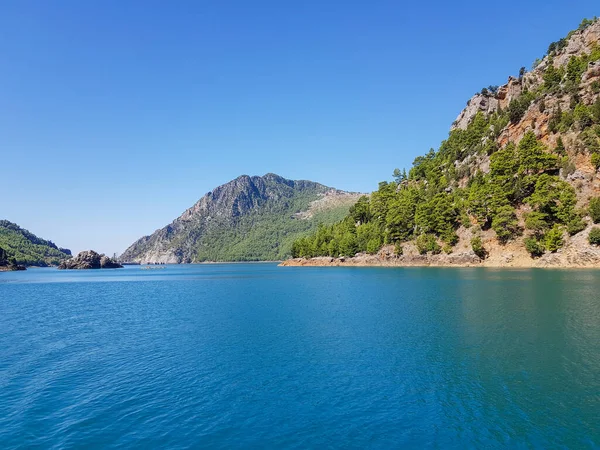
(515, 184)
(250, 218)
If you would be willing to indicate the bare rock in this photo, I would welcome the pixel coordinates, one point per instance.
(90, 260)
(577, 175)
(477, 103)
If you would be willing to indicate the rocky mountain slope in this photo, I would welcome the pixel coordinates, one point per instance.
(515, 184)
(27, 249)
(248, 219)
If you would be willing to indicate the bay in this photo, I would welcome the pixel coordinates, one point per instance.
(258, 356)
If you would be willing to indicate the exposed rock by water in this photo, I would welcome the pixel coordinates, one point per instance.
(90, 260)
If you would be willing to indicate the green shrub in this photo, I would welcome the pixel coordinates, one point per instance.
(477, 246)
(575, 225)
(594, 209)
(554, 238)
(595, 160)
(594, 237)
(534, 247)
(447, 249)
(398, 249)
(427, 243)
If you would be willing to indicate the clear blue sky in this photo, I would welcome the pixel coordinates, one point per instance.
(115, 116)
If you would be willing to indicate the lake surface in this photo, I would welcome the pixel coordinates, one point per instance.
(257, 356)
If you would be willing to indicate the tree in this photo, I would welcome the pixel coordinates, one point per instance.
(485, 199)
(398, 249)
(575, 225)
(477, 247)
(552, 78)
(582, 116)
(594, 209)
(439, 216)
(380, 200)
(373, 246)
(595, 160)
(595, 110)
(534, 247)
(554, 238)
(427, 243)
(594, 236)
(560, 147)
(532, 155)
(537, 222)
(554, 198)
(361, 211)
(505, 224)
(401, 213)
(555, 120)
(399, 176)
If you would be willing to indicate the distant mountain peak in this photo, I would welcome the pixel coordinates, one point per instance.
(252, 218)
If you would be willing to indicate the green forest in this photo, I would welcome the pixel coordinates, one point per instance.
(22, 247)
(266, 233)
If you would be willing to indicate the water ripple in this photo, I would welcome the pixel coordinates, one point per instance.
(256, 356)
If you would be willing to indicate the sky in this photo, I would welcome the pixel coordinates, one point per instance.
(116, 116)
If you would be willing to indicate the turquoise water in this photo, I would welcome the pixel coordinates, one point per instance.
(256, 356)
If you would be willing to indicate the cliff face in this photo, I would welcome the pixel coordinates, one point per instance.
(546, 102)
(554, 114)
(249, 218)
(515, 184)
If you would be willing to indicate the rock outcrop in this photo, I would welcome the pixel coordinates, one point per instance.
(90, 260)
(579, 42)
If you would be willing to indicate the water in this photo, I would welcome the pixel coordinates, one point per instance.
(256, 356)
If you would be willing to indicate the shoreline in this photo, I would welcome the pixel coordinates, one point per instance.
(463, 260)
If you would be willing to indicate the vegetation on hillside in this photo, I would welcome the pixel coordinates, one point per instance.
(447, 188)
(23, 247)
(266, 233)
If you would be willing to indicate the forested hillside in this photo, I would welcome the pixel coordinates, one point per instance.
(517, 172)
(25, 248)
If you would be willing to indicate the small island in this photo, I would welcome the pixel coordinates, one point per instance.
(90, 260)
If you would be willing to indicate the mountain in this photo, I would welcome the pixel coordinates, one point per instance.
(515, 183)
(28, 249)
(248, 219)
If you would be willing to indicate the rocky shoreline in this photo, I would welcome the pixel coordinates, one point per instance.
(459, 260)
(577, 253)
